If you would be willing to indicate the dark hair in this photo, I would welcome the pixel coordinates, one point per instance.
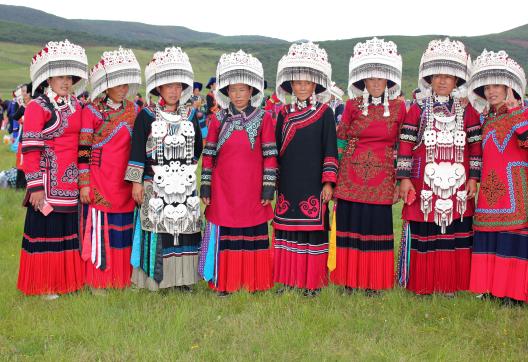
(139, 95)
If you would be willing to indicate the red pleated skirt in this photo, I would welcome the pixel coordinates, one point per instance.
(365, 246)
(244, 259)
(50, 262)
(300, 258)
(499, 264)
(440, 262)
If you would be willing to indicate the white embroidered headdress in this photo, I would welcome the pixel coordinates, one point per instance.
(444, 57)
(239, 67)
(495, 68)
(115, 68)
(59, 59)
(170, 66)
(304, 61)
(375, 58)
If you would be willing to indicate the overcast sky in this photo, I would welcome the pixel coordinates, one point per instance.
(294, 20)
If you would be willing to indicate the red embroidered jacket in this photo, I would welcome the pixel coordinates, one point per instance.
(503, 194)
(367, 145)
(239, 167)
(411, 157)
(49, 149)
(104, 148)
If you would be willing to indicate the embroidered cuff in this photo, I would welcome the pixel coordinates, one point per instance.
(35, 182)
(269, 180)
(329, 170)
(403, 167)
(209, 149)
(134, 172)
(269, 149)
(475, 165)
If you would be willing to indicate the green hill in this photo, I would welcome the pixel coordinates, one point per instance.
(23, 31)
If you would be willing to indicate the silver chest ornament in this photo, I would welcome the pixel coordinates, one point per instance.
(444, 139)
(173, 209)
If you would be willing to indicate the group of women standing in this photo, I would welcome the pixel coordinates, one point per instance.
(135, 173)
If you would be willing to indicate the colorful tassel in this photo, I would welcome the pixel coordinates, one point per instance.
(332, 247)
(405, 255)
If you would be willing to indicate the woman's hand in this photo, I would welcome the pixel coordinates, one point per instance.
(138, 192)
(471, 188)
(265, 202)
(36, 199)
(405, 186)
(328, 192)
(206, 201)
(85, 195)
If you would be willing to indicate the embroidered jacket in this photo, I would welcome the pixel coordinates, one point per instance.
(367, 152)
(306, 140)
(412, 155)
(104, 148)
(239, 167)
(49, 149)
(503, 194)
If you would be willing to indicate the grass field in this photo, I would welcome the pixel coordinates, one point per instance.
(140, 325)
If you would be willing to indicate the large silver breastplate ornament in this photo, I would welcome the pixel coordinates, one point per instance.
(174, 208)
(444, 139)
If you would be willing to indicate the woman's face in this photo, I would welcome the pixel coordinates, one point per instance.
(495, 94)
(118, 94)
(171, 93)
(443, 84)
(61, 85)
(302, 89)
(239, 94)
(376, 86)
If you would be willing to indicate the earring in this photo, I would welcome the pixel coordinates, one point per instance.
(386, 111)
(365, 101)
(293, 101)
(313, 101)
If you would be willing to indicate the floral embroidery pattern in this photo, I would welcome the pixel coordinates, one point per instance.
(493, 188)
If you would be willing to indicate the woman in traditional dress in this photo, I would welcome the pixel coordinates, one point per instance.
(104, 148)
(366, 184)
(439, 162)
(166, 147)
(499, 263)
(238, 180)
(306, 140)
(50, 263)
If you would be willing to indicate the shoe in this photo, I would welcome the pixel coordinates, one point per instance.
(311, 293)
(50, 296)
(349, 291)
(372, 293)
(510, 302)
(186, 288)
(222, 294)
(283, 290)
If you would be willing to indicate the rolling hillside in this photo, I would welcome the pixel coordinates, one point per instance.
(23, 31)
